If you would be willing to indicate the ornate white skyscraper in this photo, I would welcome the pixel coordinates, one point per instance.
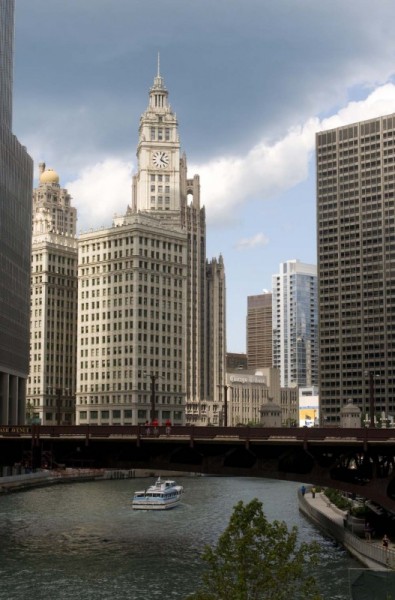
(156, 326)
(53, 316)
(16, 177)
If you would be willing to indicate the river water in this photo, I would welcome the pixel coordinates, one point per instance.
(84, 542)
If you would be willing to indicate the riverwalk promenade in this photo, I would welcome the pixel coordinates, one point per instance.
(331, 520)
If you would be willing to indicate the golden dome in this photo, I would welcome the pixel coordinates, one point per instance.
(49, 176)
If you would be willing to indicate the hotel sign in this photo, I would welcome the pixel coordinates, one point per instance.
(247, 379)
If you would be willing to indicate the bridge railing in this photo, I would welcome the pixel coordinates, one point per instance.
(305, 434)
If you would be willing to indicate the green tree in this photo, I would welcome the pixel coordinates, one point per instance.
(258, 560)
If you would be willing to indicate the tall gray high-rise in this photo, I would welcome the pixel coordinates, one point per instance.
(16, 178)
(6, 60)
(356, 265)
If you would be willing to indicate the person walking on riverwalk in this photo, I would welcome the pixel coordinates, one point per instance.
(313, 492)
(386, 544)
(368, 532)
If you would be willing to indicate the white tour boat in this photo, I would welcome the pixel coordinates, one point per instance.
(160, 496)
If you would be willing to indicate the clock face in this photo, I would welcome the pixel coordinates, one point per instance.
(160, 159)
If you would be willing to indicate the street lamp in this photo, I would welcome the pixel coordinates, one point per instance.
(153, 378)
(226, 387)
(62, 395)
(372, 377)
(58, 405)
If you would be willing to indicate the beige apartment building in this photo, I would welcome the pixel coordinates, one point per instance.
(151, 308)
(259, 331)
(50, 398)
(356, 266)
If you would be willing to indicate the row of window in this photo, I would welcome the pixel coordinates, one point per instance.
(128, 241)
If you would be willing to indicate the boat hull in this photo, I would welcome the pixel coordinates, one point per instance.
(147, 505)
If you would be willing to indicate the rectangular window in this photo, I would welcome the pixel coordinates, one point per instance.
(152, 133)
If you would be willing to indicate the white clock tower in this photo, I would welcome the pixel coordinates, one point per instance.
(156, 187)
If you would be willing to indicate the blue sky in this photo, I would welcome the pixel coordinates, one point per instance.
(251, 81)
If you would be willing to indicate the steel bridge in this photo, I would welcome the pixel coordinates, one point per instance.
(360, 461)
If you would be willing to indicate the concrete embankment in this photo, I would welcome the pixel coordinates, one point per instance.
(330, 520)
(42, 478)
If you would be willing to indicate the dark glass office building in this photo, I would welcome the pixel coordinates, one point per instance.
(16, 179)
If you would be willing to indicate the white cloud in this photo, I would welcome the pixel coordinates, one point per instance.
(100, 191)
(227, 182)
(260, 239)
(270, 168)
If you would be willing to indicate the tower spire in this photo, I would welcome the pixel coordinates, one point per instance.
(158, 80)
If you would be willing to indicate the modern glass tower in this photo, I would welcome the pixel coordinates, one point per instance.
(295, 324)
(16, 178)
(356, 266)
